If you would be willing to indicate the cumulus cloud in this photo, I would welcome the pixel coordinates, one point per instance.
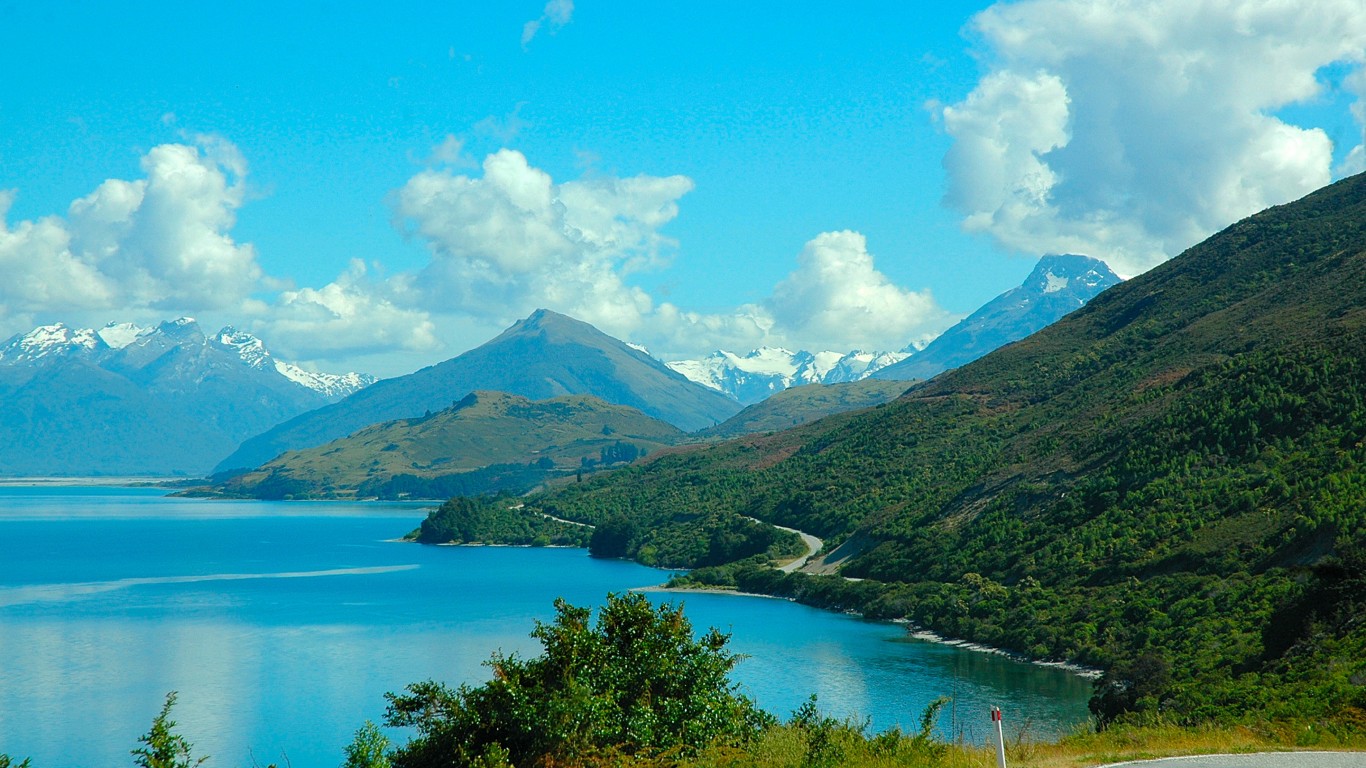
(1355, 161)
(353, 315)
(837, 299)
(1131, 129)
(556, 14)
(160, 243)
(514, 239)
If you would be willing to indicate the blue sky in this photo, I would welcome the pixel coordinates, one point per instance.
(382, 188)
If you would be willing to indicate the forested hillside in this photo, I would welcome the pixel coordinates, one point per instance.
(1169, 483)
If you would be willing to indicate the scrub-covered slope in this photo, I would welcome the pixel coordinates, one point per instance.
(1172, 478)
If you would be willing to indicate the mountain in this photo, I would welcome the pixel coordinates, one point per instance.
(129, 400)
(808, 402)
(1058, 285)
(546, 355)
(755, 376)
(487, 442)
(1168, 483)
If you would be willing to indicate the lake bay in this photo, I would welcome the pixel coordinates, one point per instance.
(282, 625)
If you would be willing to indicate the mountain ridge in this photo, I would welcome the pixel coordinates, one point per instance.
(129, 400)
(544, 355)
(487, 442)
(1168, 478)
(1057, 285)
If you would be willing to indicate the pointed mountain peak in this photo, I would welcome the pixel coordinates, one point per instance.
(47, 341)
(250, 349)
(1060, 272)
(180, 330)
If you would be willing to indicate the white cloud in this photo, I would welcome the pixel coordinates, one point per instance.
(837, 299)
(555, 15)
(350, 316)
(514, 240)
(38, 271)
(1355, 161)
(160, 243)
(1131, 129)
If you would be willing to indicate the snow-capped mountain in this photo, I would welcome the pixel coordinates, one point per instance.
(766, 371)
(49, 342)
(252, 351)
(127, 399)
(1058, 285)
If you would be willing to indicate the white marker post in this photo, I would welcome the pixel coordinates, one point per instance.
(1000, 738)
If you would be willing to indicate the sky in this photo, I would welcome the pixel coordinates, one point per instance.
(381, 188)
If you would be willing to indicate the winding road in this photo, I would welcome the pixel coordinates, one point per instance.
(813, 545)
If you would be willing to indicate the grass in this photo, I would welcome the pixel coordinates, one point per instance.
(787, 746)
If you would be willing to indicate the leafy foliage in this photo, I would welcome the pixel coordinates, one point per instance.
(636, 682)
(369, 748)
(496, 520)
(162, 746)
(1166, 474)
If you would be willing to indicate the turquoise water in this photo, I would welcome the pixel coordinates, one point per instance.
(282, 625)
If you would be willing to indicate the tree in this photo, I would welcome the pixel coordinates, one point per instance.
(636, 683)
(163, 747)
(367, 749)
(613, 537)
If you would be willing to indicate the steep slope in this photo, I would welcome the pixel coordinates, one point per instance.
(546, 355)
(809, 402)
(142, 401)
(1168, 482)
(1058, 285)
(455, 447)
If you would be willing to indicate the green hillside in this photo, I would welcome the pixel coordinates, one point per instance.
(487, 442)
(808, 402)
(1169, 483)
(545, 355)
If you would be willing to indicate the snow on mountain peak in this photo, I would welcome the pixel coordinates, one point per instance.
(120, 335)
(52, 341)
(756, 375)
(327, 384)
(1054, 283)
(250, 349)
(47, 341)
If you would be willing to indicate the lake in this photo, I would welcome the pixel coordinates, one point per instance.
(282, 625)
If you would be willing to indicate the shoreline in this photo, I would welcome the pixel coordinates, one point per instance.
(929, 636)
(704, 591)
(131, 481)
(912, 631)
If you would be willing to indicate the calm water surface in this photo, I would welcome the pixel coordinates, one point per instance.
(282, 625)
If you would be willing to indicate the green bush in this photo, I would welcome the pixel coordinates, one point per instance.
(634, 683)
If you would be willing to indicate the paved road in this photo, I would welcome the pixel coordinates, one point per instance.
(1257, 760)
(813, 545)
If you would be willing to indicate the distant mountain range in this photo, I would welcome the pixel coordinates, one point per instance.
(753, 377)
(1057, 286)
(126, 399)
(546, 355)
(131, 400)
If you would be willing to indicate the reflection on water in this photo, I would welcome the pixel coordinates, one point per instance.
(283, 625)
